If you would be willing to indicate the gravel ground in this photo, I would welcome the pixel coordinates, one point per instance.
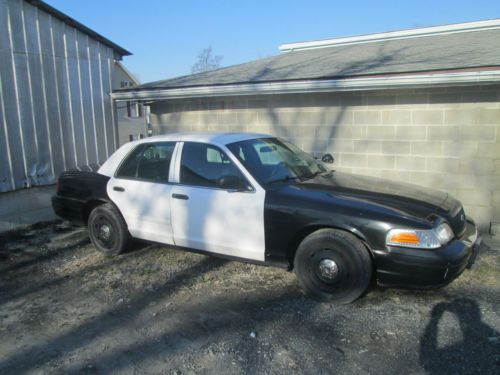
(66, 309)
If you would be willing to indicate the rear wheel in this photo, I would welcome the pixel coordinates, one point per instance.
(333, 265)
(107, 230)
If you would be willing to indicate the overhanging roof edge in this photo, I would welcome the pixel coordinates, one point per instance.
(309, 86)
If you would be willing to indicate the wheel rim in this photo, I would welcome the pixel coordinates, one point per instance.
(104, 232)
(328, 269)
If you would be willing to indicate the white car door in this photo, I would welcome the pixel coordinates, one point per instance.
(141, 191)
(208, 211)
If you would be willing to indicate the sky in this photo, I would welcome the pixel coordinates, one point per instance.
(165, 36)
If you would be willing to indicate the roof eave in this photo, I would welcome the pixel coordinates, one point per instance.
(311, 86)
(119, 51)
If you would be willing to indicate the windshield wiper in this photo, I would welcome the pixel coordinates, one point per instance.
(283, 179)
(312, 175)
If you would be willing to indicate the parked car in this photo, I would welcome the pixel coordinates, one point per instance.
(260, 199)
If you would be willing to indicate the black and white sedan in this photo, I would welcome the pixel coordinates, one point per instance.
(260, 199)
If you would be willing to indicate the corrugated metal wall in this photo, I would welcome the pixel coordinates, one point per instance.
(55, 109)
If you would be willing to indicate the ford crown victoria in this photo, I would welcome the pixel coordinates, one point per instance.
(260, 199)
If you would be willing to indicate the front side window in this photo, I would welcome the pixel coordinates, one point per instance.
(271, 159)
(208, 166)
(148, 162)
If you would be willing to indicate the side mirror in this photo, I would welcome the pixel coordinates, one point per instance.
(231, 182)
(327, 158)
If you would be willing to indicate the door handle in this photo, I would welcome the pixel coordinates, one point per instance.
(118, 188)
(180, 196)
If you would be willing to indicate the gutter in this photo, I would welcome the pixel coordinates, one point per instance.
(312, 86)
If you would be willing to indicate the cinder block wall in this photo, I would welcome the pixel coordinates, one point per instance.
(445, 138)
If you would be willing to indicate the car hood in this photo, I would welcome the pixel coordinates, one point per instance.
(405, 198)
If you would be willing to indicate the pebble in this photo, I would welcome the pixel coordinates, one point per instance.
(253, 335)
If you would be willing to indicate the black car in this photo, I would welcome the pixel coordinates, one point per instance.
(260, 199)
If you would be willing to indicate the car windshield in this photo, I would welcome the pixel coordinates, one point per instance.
(271, 160)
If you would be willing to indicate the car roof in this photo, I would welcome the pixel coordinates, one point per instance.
(218, 138)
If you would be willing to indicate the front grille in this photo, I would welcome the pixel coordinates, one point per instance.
(458, 223)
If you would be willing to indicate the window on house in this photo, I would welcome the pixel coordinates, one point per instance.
(134, 109)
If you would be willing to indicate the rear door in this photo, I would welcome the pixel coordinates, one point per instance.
(141, 190)
(207, 216)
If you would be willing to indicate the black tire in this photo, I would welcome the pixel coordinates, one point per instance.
(340, 282)
(107, 230)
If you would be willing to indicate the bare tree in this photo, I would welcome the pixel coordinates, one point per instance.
(206, 61)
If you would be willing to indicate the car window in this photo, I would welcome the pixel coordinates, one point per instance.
(271, 159)
(149, 162)
(204, 165)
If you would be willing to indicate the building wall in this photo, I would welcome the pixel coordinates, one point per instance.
(128, 124)
(446, 138)
(55, 109)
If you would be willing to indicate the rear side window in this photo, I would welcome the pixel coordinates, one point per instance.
(148, 162)
(204, 165)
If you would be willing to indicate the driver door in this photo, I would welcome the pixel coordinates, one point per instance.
(206, 216)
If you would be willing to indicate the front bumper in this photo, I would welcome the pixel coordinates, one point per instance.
(415, 268)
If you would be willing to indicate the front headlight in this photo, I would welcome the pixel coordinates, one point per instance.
(420, 239)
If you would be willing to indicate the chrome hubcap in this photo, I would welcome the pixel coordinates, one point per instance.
(105, 232)
(328, 269)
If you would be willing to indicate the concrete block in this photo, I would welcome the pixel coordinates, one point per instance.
(349, 100)
(253, 104)
(384, 100)
(443, 164)
(478, 167)
(337, 116)
(467, 116)
(264, 129)
(482, 96)
(352, 160)
(402, 176)
(228, 118)
(442, 133)
(367, 117)
(410, 100)
(460, 181)
(381, 132)
(489, 116)
(395, 147)
(482, 216)
(411, 163)
(462, 149)
(491, 181)
(429, 179)
(367, 172)
(426, 148)
(267, 118)
(248, 119)
(381, 161)
(342, 169)
(427, 117)
(396, 117)
(446, 98)
(475, 197)
(367, 146)
(411, 133)
(477, 133)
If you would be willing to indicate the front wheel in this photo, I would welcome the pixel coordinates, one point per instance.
(107, 230)
(333, 265)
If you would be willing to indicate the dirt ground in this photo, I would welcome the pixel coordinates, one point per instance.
(66, 309)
